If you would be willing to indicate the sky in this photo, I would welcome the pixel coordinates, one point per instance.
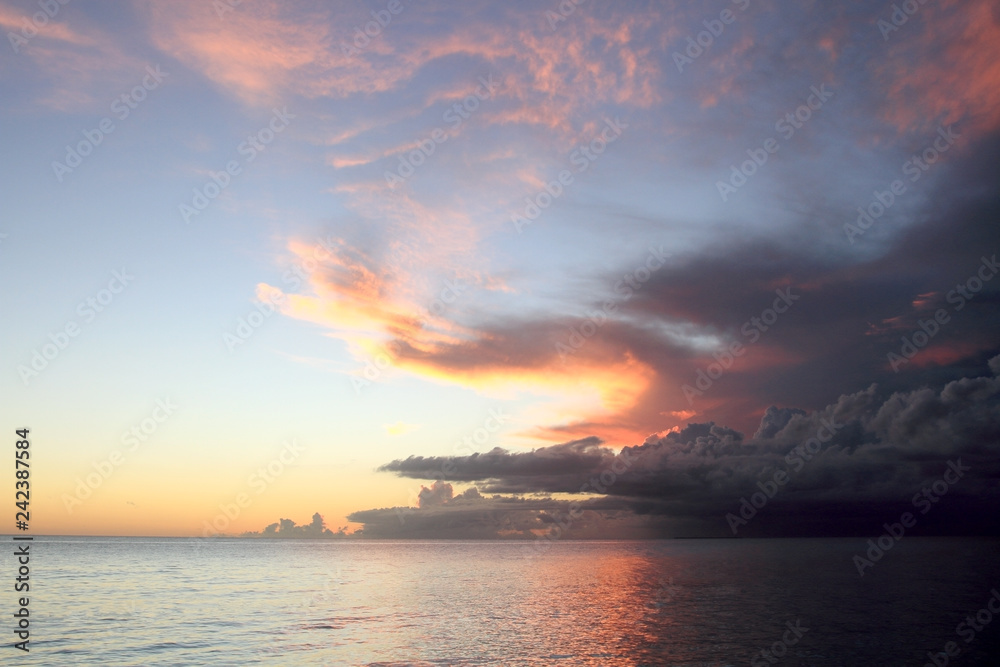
(517, 270)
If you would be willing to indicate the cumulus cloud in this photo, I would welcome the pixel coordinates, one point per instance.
(287, 528)
(847, 468)
(774, 420)
(435, 495)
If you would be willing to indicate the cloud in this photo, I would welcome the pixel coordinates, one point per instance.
(471, 515)
(270, 50)
(580, 457)
(626, 379)
(850, 466)
(381, 291)
(774, 420)
(77, 65)
(961, 84)
(436, 495)
(286, 528)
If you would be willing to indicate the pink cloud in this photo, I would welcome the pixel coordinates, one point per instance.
(958, 81)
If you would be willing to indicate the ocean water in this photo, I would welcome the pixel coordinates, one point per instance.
(156, 601)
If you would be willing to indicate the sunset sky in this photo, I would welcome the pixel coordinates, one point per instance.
(242, 235)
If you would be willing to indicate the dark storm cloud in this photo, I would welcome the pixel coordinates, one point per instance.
(855, 304)
(470, 515)
(848, 467)
(774, 420)
(576, 457)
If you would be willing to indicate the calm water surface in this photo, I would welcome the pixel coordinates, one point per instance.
(115, 601)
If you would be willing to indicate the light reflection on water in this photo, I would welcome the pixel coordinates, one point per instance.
(117, 601)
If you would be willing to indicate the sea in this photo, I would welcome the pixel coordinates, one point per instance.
(177, 601)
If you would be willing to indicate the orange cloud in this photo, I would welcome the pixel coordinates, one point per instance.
(378, 310)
